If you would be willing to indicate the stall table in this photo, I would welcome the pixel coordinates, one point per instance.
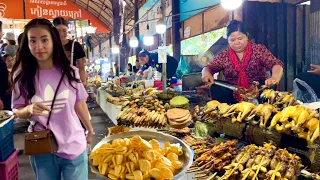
(110, 109)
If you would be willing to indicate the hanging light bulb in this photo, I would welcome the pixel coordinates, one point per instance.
(161, 27)
(133, 42)
(97, 61)
(231, 4)
(148, 38)
(115, 49)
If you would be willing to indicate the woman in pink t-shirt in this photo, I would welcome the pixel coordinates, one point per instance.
(41, 61)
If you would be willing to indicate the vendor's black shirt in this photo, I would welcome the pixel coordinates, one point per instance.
(135, 69)
(172, 64)
(78, 51)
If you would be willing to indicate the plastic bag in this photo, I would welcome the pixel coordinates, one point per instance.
(303, 92)
(183, 68)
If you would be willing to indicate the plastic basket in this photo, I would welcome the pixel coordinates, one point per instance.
(6, 139)
(9, 168)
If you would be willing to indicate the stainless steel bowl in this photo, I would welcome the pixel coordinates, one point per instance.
(186, 158)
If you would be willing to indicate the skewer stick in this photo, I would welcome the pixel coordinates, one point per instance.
(193, 170)
(200, 175)
(212, 176)
(245, 177)
(277, 167)
(228, 174)
(258, 169)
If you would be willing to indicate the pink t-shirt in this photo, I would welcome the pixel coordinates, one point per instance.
(64, 122)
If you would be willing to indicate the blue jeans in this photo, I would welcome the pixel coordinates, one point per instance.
(53, 167)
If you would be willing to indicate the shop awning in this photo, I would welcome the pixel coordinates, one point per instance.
(102, 9)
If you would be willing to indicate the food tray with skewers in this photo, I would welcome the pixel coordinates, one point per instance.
(232, 159)
(279, 119)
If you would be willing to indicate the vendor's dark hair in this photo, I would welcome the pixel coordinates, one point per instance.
(60, 21)
(0, 25)
(235, 26)
(143, 53)
(130, 67)
(26, 66)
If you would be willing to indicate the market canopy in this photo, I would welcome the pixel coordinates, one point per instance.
(102, 9)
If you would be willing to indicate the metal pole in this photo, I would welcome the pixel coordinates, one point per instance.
(164, 65)
(75, 29)
(119, 62)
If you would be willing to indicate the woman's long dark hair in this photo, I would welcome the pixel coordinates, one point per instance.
(26, 65)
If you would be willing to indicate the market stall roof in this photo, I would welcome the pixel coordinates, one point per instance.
(102, 9)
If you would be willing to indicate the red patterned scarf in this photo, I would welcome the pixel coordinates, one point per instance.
(240, 66)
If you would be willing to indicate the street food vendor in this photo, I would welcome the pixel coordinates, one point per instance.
(242, 63)
(147, 60)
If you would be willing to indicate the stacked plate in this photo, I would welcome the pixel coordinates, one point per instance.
(157, 76)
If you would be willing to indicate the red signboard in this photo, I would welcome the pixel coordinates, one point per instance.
(49, 9)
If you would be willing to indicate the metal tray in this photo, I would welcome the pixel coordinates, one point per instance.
(8, 113)
(186, 158)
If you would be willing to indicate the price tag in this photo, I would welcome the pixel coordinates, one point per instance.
(162, 54)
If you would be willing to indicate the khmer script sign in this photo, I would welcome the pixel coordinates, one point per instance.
(53, 8)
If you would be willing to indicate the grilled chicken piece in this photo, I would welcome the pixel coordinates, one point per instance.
(264, 112)
(310, 130)
(269, 96)
(281, 120)
(286, 99)
(243, 109)
(251, 93)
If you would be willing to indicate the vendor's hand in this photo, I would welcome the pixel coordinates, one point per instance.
(1, 105)
(207, 78)
(271, 82)
(315, 69)
(89, 137)
(38, 109)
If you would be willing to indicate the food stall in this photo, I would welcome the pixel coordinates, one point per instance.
(238, 141)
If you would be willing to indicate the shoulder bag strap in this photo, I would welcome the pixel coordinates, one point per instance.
(54, 98)
(72, 52)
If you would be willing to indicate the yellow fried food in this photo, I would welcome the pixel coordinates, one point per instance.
(137, 159)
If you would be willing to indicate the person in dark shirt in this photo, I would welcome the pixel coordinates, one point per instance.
(3, 80)
(311, 78)
(147, 59)
(79, 55)
(137, 67)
